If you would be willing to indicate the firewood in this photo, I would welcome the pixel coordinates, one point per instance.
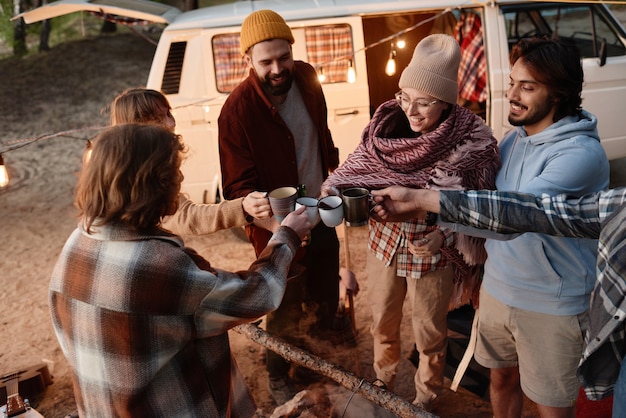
(382, 397)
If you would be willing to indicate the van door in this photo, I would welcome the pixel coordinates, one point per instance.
(335, 47)
(595, 32)
(183, 70)
(391, 40)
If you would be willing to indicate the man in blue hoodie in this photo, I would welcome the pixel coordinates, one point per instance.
(535, 294)
(602, 215)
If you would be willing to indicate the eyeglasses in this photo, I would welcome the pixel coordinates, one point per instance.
(406, 104)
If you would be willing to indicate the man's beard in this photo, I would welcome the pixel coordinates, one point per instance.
(278, 89)
(532, 117)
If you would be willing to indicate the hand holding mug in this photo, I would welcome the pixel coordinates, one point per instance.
(298, 220)
(257, 205)
(399, 203)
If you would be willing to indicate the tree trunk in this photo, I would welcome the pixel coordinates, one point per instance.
(44, 36)
(189, 5)
(381, 397)
(19, 31)
(108, 27)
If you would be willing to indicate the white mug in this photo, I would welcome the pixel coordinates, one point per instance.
(331, 210)
(311, 209)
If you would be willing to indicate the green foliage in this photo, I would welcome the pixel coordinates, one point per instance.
(63, 28)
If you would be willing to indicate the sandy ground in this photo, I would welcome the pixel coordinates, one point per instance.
(65, 89)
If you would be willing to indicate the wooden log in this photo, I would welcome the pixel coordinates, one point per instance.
(379, 396)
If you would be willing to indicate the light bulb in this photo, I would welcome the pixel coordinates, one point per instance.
(321, 76)
(401, 43)
(206, 108)
(87, 153)
(390, 68)
(4, 174)
(351, 73)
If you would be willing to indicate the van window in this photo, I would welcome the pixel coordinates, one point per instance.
(585, 25)
(173, 68)
(329, 49)
(230, 66)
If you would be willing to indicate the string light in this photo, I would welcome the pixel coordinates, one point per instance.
(394, 36)
(4, 174)
(321, 76)
(13, 145)
(390, 68)
(351, 73)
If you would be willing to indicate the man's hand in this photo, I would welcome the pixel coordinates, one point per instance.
(347, 283)
(257, 205)
(394, 203)
(427, 246)
(298, 220)
(398, 203)
(329, 191)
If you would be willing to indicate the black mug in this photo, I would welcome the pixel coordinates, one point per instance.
(356, 202)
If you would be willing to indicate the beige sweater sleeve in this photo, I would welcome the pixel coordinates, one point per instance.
(201, 219)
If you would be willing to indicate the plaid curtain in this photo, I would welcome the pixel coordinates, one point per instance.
(230, 67)
(329, 49)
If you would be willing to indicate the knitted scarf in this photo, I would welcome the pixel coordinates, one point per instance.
(461, 153)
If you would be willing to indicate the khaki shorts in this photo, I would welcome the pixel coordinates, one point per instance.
(546, 348)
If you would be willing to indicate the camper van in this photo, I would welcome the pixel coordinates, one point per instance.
(359, 48)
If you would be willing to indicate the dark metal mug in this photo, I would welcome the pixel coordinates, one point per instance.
(356, 202)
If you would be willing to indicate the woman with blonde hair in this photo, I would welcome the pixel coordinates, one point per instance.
(141, 105)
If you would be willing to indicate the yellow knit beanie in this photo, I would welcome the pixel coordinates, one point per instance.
(263, 25)
(434, 68)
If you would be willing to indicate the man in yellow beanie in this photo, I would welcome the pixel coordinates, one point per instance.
(273, 132)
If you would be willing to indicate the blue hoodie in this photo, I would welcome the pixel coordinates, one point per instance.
(539, 272)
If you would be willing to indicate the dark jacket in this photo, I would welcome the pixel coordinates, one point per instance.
(257, 149)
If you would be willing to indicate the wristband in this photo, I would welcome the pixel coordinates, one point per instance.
(431, 218)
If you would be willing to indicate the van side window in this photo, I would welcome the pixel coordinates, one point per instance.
(230, 66)
(587, 26)
(173, 68)
(329, 49)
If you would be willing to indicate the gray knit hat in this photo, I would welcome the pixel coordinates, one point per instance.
(434, 68)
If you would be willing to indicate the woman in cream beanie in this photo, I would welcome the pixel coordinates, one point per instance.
(434, 68)
(421, 139)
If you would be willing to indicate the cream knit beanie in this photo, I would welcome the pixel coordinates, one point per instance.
(434, 68)
(263, 25)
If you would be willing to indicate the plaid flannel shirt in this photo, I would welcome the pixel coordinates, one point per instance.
(387, 239)
(143, 322)
(598, 215)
